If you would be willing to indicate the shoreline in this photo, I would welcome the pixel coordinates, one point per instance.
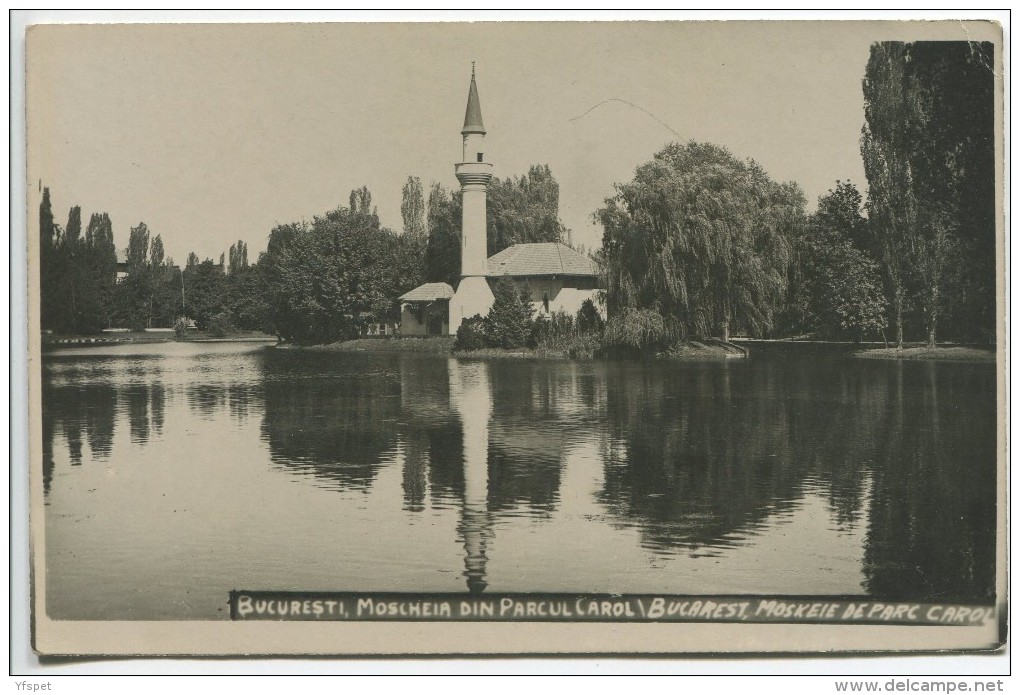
(707, 350)
(924, 353)
(444, 345)
(149, 338)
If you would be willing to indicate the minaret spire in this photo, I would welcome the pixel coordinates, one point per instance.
(473, 114)
(473, 295)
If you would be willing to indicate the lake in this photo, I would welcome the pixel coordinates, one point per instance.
(176, 472)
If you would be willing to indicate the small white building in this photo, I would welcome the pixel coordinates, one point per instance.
(425, 310)
(557, 277)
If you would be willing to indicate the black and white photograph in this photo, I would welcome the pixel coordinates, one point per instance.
(516, 337)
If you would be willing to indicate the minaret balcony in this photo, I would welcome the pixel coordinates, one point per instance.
(474, 173)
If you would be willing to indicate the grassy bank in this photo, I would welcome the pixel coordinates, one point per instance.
(693, 350)
(129, 338)
(942, 354)
(698, 350)
(436, 344)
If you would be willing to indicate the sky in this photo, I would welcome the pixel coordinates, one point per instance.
(214, 133)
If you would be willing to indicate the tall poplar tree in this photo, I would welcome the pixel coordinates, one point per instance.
(49, 278)
(927, 146)
(412, 208)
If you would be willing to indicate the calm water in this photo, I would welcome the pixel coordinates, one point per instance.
(174, 473)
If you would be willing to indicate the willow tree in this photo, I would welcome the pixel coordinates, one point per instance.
(702, 238)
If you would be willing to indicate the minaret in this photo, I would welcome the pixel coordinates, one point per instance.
(473, 295)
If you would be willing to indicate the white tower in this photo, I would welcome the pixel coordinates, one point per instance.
(473, 295)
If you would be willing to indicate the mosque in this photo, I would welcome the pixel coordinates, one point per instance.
(558, 277)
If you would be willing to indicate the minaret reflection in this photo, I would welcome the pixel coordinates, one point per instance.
(471, 400)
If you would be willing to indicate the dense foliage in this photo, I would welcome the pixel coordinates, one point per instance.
(326, 279)
(928, 150)
(77, 273)
(471, 334)
(442, 254)
(511, 324)
(835, 283)
(523, 210)
(702, 239)
(412, 207)
(508, 323)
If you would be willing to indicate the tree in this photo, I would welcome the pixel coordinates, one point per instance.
(412, 208)
(165, 284)
(156, 255)
(99, 277)
(589, 320)
(442, 253)
(508, 323)
(523, 210)
(928, 153)
(71, 252)
(49, 273)
(853, 300)
(841, 282)
(953, 249)
(77, 273)
(238, 257)
(134, 293)
(327, 279)
(138, 247)
(204, 289)
(247, 296)
(702, 238)
(361, 202)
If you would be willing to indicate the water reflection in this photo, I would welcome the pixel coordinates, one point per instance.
(663, 463)
(700, 457)
(932, 526)
(471, 399)
(334, 427)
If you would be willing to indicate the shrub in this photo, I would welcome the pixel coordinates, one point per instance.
(589, 320)
(552, 332)
(471, 334)
(640, 331)
(181, 328)
(508, 324)
(220, 324)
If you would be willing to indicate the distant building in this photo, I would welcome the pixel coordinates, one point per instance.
(558, 277)
(122, 265)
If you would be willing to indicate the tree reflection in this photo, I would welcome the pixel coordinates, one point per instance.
(699, 452)
(79, 415)
(137, 398)
(932, 529)
(698, 455)
(693, 455)
(324, 420)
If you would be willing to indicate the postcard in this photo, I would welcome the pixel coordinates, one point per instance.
(515, 338)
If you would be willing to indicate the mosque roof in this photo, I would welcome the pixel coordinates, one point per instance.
(548, 258)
